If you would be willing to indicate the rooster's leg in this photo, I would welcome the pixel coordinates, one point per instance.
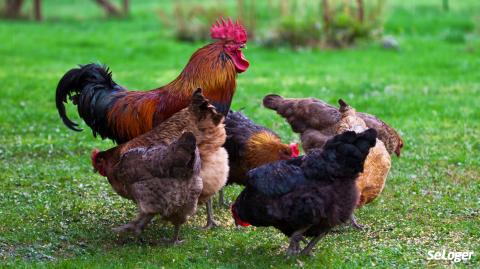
(137, 225)
(295, 238)
(210, 221)
(355, 224)
(308, 249)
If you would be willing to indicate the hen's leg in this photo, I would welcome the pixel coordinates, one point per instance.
(308, 249)
(210, 221)
(175, 240)
(354, 223)
(221, 197)
(143, 221)
(137, 225)
(297, 236)
(176, 236)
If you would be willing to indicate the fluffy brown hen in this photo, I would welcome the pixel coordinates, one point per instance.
(204, 122)
(315, 120)
(371, 181)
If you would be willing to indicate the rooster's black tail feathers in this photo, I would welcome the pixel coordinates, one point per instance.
(90, 87)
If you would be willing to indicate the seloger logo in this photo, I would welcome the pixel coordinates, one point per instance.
(455, 256)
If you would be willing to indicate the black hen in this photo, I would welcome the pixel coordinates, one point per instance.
(309, 195)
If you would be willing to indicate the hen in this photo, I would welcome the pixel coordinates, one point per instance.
(204, 122)
(306, 196)
(112, 111)
(371, 181)
(163, 179)
(315, 120)
(250, 145)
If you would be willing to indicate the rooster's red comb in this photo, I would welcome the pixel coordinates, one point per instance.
(227, 30)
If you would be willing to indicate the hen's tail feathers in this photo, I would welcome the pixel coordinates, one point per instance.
(351, 149)
(187, 142)
(272, 101)
(185, 156)
(201, 107)
(184, 149)
(343, 105)
(90, 87)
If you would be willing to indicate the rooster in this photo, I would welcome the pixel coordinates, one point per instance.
(306, 196)
(113, 112)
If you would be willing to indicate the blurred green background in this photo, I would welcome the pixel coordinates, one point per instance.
(413, 64)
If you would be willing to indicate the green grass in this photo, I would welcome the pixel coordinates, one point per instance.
(55, 212)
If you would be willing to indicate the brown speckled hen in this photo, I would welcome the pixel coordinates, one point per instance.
(162, 180)
(315, 120)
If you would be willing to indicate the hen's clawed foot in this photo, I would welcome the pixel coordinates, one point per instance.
(354, 223)
(128, 228)
(293, 249)
(307, 251)
(211, 223)
(295, 238)
(172, 241)
(175, 240)
(136, 226)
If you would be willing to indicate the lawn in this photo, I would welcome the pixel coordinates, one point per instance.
(55, 212)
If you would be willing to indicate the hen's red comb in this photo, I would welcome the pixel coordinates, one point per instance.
(227, 30)
(295, 150)
(93, 156)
